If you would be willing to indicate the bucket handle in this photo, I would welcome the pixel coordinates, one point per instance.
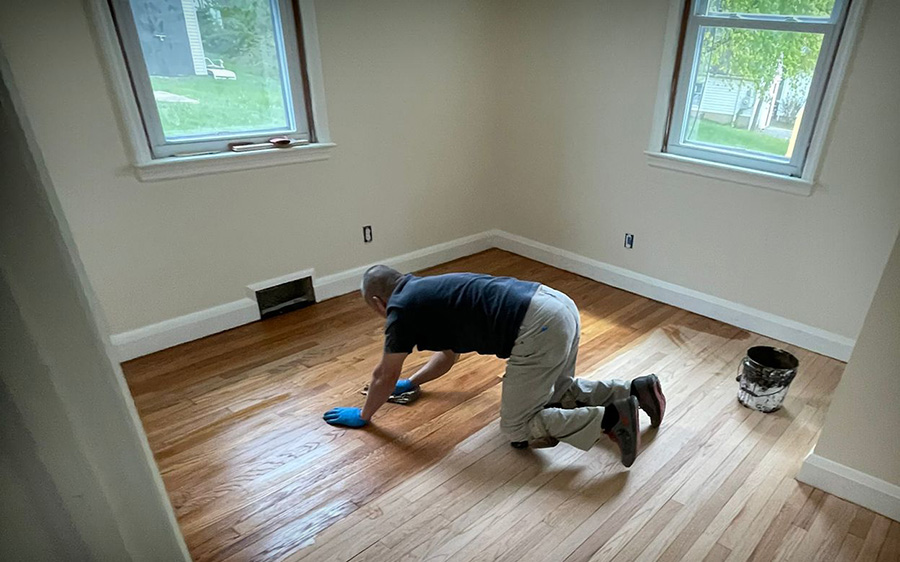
(755, 395)
(739, 365)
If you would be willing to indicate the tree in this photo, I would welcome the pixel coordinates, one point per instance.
(238, 30)
(762, 56)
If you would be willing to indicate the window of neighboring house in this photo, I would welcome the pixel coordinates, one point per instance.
(214, 76)
(751, 81)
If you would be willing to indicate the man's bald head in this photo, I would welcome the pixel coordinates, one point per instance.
(379, 281)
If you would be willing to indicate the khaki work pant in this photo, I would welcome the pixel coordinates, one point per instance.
(541, 371)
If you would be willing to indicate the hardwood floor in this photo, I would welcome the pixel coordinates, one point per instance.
(253, 472)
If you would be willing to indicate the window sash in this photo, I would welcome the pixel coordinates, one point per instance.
(290, 52)
(830, 28)
(700, 8)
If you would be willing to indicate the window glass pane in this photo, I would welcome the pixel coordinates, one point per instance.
(814, 8)
(216, 66)
(750, 89)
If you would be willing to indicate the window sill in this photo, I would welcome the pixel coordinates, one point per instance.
(796, 186)
(188, 166)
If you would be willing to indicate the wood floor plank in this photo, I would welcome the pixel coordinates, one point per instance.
(810, 509)
(698, 530)
(779, 527)
(468, 462)
(717, 553)
(827, 531)
(791, 541)
(890, 550)
(704, 486)
(647, 531)
(234, 422)
(874, 539)
(862, 523)
(850, 549)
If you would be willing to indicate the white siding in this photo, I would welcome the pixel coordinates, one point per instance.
(722, 95)
(193, 32)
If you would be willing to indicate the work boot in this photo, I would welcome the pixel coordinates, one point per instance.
(650, 397)
(624, 432)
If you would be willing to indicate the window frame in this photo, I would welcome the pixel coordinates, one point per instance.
(150, 165)
(797, 176)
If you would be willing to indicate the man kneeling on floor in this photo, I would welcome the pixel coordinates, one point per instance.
(533, 326)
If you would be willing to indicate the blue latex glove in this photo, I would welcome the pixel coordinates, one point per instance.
(403, 385)
(345, 417)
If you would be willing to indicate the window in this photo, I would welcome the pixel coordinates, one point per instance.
(215, 77)
(750, 80)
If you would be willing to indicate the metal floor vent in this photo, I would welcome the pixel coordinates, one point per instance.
(285, 297)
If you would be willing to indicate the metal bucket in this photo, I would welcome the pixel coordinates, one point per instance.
(765, 375)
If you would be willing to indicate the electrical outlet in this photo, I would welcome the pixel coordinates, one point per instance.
(367, 234)
(629, 241)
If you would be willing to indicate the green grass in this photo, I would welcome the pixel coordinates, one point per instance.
(251, 102)
(728, 136)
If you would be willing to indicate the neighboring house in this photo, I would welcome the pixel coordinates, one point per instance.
(170, 37)
(723, 98)
(733, 100)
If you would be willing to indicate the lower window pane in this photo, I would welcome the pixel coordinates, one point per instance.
(750, 89)
(216, 66)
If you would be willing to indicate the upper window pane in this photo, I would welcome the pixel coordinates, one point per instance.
(749, 90)
(811, 8)
(217, 67)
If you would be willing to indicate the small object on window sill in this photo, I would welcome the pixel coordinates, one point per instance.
(281, 142)
(274, 142)
(238, 146)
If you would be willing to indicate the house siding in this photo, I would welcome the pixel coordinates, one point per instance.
(194, 38)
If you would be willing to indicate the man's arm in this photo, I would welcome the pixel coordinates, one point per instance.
(437, 366)
(384, 378)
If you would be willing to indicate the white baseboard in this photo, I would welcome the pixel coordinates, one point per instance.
(189, 327)
(852, 485)
(754, 320)
(168, 333)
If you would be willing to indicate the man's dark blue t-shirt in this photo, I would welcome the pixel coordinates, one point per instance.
(462, 312)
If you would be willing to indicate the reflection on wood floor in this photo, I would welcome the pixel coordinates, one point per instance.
(234, 421)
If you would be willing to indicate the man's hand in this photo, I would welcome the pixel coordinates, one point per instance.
(345, 417)
(402, 386)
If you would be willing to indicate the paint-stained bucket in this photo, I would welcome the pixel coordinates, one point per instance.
(765, 375)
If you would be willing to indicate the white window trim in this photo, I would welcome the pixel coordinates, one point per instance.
(148, 168)
(800, 186)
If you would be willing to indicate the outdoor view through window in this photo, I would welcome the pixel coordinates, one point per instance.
(750, 88)
(216, 67)
(753, 76)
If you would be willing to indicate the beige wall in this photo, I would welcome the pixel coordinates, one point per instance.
(454, 117)
(72, 445)
(578, 85)
(862, 428)
(406, 85)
